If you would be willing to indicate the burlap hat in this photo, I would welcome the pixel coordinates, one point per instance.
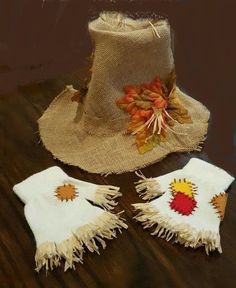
(133, 114)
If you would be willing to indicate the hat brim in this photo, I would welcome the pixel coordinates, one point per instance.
(115, 153)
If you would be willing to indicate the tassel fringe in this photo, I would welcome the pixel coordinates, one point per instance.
(147, 188)
(105, 196)
(164, 227)
(50, 255)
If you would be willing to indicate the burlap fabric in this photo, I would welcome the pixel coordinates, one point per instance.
(92, 135)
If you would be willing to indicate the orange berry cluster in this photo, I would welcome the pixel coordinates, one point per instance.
(153, 107)
(140, 102)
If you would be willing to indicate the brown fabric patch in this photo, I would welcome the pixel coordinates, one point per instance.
(66, 192)
(219, 203)
(92, 135)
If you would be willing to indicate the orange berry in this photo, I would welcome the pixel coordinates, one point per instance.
(135, 117)
(130, 89)
(120, 100)
(129, 107)
(128, 99)
(146, 113)
(134, 110)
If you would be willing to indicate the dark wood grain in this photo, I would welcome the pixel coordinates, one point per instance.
(44, 48)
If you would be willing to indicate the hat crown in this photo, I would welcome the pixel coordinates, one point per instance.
(127, 52)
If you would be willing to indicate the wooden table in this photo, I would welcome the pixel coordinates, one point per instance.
(203, 54)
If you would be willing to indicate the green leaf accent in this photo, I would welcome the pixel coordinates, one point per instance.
(150, 144)
(122, 106)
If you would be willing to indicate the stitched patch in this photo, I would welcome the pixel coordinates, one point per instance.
(153, 108)
(66, 192)
(219, 203)
(183, 201)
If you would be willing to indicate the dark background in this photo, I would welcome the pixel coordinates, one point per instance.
(44, 46)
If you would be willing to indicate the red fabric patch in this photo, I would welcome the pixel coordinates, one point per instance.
(183, 204)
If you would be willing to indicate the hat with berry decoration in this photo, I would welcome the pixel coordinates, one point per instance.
(133, 114)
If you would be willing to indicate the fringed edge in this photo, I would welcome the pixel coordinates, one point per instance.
(50, 254)
(164, 227)
(105, 195)
(147, 188)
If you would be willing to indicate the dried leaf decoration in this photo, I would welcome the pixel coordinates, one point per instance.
(153, 108)
(76, 97)
(87, 74)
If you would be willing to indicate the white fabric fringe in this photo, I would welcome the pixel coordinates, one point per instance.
(105, 195)
(147, 188)
(50, 255)
(164, 227)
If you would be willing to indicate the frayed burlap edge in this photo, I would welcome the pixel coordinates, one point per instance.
(164, 227)
(197, 146)
(105, 195)
(51, 254)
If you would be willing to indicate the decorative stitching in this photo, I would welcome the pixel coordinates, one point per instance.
(183, 201)
(219, 203)
(66, 192)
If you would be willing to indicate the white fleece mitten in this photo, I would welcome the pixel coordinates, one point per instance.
(191, 205)
(63, 222)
